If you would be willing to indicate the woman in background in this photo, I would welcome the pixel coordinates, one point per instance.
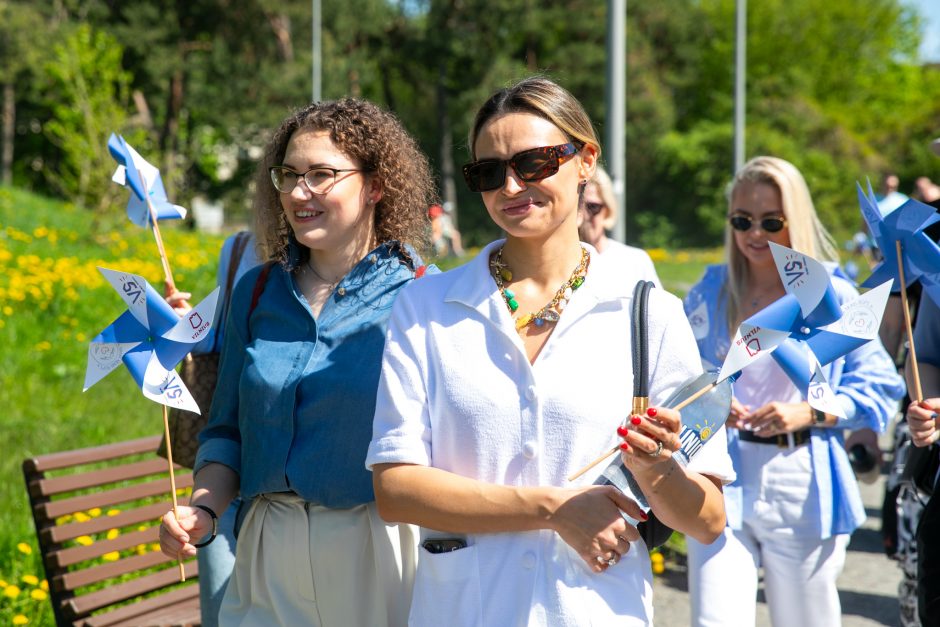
(796, 499)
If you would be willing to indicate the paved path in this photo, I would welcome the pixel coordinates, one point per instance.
(868, 585)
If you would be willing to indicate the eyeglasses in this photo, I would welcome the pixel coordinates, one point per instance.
(593, 208)
(740, 222)
(319, 180)
(530, 165)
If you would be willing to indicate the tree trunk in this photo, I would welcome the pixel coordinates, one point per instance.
(445, 132)
(9, 133)
(169, 138)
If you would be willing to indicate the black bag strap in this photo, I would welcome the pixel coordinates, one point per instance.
(640, 334)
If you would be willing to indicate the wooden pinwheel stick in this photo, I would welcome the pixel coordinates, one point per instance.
(685, 403)
(155, 225)
(918, 391)
(169, 461)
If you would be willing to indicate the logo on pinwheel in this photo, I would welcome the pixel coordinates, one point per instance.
(807, 328)
(150, 339)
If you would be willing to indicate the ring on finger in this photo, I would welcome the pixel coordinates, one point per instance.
(659, 449)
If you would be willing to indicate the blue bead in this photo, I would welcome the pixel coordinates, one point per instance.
(539, 322)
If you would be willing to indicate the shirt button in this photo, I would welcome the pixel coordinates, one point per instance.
(530, 449)
(341, 291)
(530, 393)
(373, 258)
(528, 560)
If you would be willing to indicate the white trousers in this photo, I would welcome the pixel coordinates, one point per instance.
(303, 564)
(779, 535)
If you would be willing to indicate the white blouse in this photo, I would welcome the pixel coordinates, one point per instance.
(457, 392)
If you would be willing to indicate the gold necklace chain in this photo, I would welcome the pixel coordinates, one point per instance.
(552, 310)
(331, 285)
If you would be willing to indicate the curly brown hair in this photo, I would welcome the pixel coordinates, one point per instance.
(374, 138)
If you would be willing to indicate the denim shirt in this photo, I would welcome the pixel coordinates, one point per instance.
(865, 382)
(295, 397)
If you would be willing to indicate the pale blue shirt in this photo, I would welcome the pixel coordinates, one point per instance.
(865, 382)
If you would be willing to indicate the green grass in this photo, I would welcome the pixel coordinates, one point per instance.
(52, 302)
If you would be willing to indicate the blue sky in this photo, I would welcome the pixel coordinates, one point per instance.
(930, 10)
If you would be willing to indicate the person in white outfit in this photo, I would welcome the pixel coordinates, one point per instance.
(597, 215)
(506, 375)
(796, 499)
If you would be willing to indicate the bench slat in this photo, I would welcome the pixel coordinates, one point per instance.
(87, 603)
(177, 607)
(54, 509)
(98, 478)
(74, 555)
(70, 531)
(78, 578)
(65, 459)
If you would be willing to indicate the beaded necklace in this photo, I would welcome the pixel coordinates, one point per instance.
(552, 310)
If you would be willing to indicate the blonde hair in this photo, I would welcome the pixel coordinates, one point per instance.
(543, 98)
(807, 234)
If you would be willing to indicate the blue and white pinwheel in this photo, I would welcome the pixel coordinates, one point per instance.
(806, 328)
(145, 183)
(151, 339)
(919, 254)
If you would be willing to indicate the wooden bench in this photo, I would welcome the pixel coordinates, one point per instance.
(98, 576)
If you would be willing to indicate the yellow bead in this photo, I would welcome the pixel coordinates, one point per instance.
(523, 321)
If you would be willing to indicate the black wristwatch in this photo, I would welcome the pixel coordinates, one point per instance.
(819, 417)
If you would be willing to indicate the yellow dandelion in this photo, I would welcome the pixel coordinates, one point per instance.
(39, 595)
(84, 540)
(657, 558)
(154, 546)
(19, 619)
(81, 337)
(32, 580)
(113, 556)
(43, 346)
(113, 512)
(94, 512)
(113, 533)
(44, 585)
(142, 527)
(11, 591)
(24, 548)
(141, 549)
(658, 568)
(82, 517)
(3, 584)
(7, 311)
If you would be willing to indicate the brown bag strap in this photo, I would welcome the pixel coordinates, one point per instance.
(234, 260)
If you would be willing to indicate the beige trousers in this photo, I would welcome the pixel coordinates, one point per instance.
(298, 563)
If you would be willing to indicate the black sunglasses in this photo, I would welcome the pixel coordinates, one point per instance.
(593, 208)
(530, 165)
(773, 224)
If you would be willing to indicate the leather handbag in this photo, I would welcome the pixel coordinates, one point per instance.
(200, 373)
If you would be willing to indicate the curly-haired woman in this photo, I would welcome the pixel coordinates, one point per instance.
(342, 197)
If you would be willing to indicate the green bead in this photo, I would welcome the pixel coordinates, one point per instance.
(513, 305)
(577, 282)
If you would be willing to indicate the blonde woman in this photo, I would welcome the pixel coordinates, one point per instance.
(795, 500)
(597, 215)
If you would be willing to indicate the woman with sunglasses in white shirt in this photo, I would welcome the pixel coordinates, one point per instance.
(598, 215)
(503, 377)
(795, 500)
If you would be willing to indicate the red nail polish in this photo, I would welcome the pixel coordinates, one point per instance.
(651, 412)
(622, 431)
(644, 516)
(625, 447)
(636, 420)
